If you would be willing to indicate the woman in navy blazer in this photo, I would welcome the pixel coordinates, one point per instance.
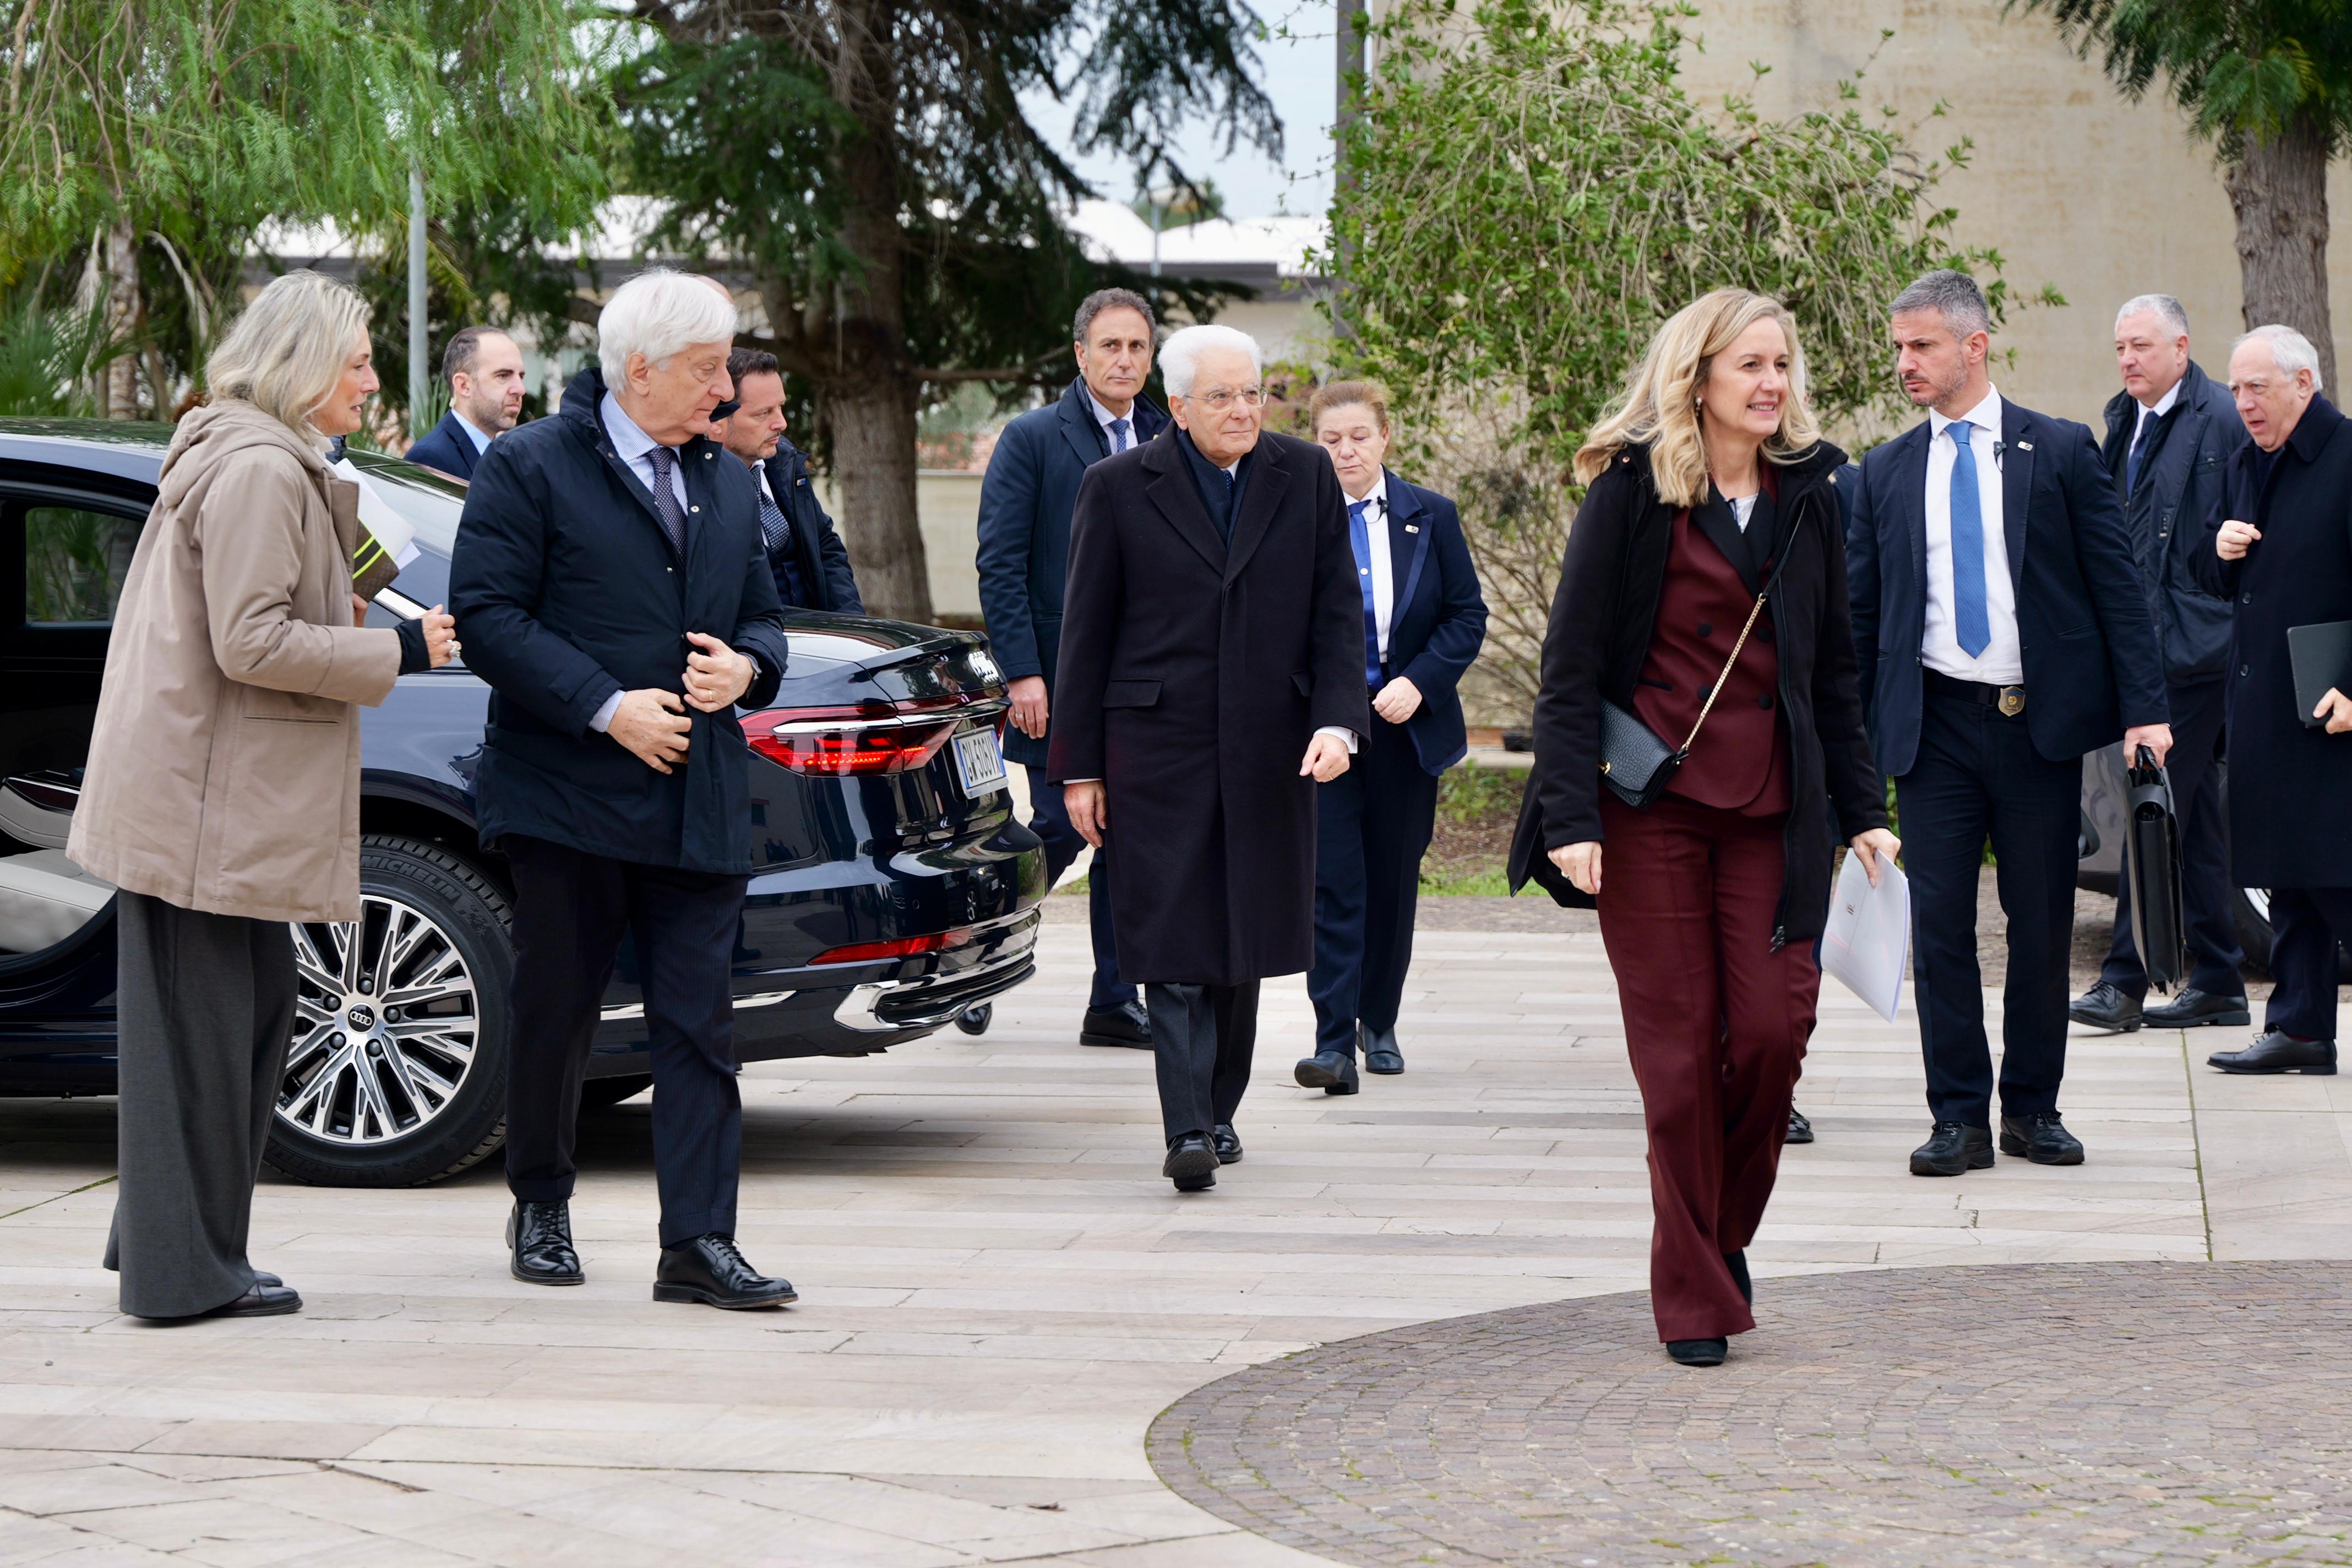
(1423, 622)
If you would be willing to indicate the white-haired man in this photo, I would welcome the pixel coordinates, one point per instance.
(2280, 548)
(595, 547)
(1210, 673)
(2170, 435)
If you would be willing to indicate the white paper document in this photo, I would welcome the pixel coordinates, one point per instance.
(378, 517)
(1868, 943)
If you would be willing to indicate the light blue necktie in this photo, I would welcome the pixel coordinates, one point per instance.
(1118, 437)
(1970, 619)
(1360, 540)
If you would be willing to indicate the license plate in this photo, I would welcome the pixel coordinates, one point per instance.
(980, 762)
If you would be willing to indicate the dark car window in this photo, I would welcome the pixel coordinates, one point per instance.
(74, 562)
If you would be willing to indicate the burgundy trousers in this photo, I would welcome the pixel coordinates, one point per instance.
(1717, 1023)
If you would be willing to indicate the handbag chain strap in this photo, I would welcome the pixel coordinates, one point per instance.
(1754, 611)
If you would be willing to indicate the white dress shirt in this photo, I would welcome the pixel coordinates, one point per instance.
(2148, 411)
(475, 433)
(636, 449)
(2001, 663)
(1383, 565)
(1103, 416)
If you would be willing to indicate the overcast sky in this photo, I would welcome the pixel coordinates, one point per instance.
(1296, 69)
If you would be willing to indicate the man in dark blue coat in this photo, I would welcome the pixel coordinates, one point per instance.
(2170, 435)
(484, 370)
(2001, 634)
(1024, 559)
(809, 561)
(2280, 548)
(611, 586)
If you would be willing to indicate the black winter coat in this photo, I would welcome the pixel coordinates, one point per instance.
(566, 589)
(1602, 620)
(818, 554)
(2289, 786)
(1192, 674)
(2178, 489)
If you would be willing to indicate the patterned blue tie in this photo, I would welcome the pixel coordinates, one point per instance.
(1360, 540)
(773, 526)
(1118, 437)
(1972, 622)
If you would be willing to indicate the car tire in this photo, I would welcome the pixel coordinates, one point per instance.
(457, 921)
(603, 1093)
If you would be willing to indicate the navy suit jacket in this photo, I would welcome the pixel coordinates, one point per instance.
(2092, 667)
(818, 554)
(446, 447)
(1438, 621)
(1025, 502)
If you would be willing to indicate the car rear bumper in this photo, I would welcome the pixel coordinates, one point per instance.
(1006, 956)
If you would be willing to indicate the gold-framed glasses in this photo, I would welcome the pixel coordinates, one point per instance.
(1222, 398)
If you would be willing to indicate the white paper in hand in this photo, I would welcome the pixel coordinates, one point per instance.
(378, 516)
(1868, 942)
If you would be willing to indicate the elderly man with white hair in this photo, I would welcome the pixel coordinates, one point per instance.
(1210, 673)
(2280, 547)
(613, 590)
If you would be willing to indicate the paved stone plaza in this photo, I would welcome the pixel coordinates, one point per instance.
(999, 1295)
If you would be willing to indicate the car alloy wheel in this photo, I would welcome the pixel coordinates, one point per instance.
(386, 1023)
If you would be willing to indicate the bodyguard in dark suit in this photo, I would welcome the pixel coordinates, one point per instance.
(1213, 633)
(2170, 435)
(612, 589)
(2001, 633)
(2280, 549)
(1424, 620)
(1024, 560)
(805, 555)
(484, 370)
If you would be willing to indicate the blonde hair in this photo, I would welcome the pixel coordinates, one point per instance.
(1659, 408)
(286, 350)
(1333, 394)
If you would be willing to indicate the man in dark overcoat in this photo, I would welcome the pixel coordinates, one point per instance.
(612, 590)
(1210, 674)
(805, 555)
(1023, 560)
(2281, 548)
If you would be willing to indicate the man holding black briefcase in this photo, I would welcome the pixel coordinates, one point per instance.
(2282, 550)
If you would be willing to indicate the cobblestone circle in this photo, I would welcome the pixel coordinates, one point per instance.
(2074, 1413)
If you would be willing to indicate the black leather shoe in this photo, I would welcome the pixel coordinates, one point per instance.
(2103, 1006)
(1738, 1263)
(710, 1270)
(1227, 1144)
(2194, 1009)
(540, 1235)
(1192, 1163)
(1125, 1025)
(1799, 1130)
(1699, 1353)
(1333, 1072)
(1380, 1053)
(2041, 1138)
(261, 1302)
(2277, 1052)
(271, 1280)
(1951, 1148)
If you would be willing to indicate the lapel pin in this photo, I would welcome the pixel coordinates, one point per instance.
(1413, 528)
(2025, 446)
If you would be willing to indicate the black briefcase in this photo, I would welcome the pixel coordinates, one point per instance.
(2152, 856)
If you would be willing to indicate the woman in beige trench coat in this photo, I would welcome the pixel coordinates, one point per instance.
(222, 791)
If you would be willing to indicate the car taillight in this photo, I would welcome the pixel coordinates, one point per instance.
(896, 947)
(843, 741)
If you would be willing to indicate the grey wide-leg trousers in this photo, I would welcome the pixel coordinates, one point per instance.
(205, 1009)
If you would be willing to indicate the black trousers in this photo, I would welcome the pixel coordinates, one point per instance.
(1049, 819)
(1977, 776)
(572, 908)
(205, 1006)
(1372, 825)
(1202, 1038)
(2306, 925)
(2213, 950)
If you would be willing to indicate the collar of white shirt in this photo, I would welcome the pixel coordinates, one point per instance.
(1103, 416)
(1379, 496)
(479, 436)
(1983, 419)
(632, 443)
(2162, 407)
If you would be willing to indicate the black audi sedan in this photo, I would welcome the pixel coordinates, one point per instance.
(894, 893)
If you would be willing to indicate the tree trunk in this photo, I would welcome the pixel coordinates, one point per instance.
(873, 426)
(119, 383)
(2278, 189)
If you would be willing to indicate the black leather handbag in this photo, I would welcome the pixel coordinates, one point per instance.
(1636, 764)
(2152, 837)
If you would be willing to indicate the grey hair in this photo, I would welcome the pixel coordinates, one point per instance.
(2163, 307)
(2290, 350)
(1952, 295)
(286, 352)
(1102, 300)
(1179, 356)
(656, 313)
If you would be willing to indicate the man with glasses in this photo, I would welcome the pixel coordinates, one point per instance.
(1210, 674)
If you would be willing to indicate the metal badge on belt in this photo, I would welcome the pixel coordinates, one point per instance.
(2013, 701)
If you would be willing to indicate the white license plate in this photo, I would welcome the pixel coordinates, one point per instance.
(980, 762)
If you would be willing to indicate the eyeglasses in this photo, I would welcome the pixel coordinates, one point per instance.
(1217, 402)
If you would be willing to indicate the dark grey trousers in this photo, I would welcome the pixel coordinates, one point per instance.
(1201, 1053)
(205, 1008)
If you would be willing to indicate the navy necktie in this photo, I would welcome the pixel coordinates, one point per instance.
(1971, 621)
(1360, 540)
(2139, 454)
(1118, 437)
(772, 526)
(673, 516)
